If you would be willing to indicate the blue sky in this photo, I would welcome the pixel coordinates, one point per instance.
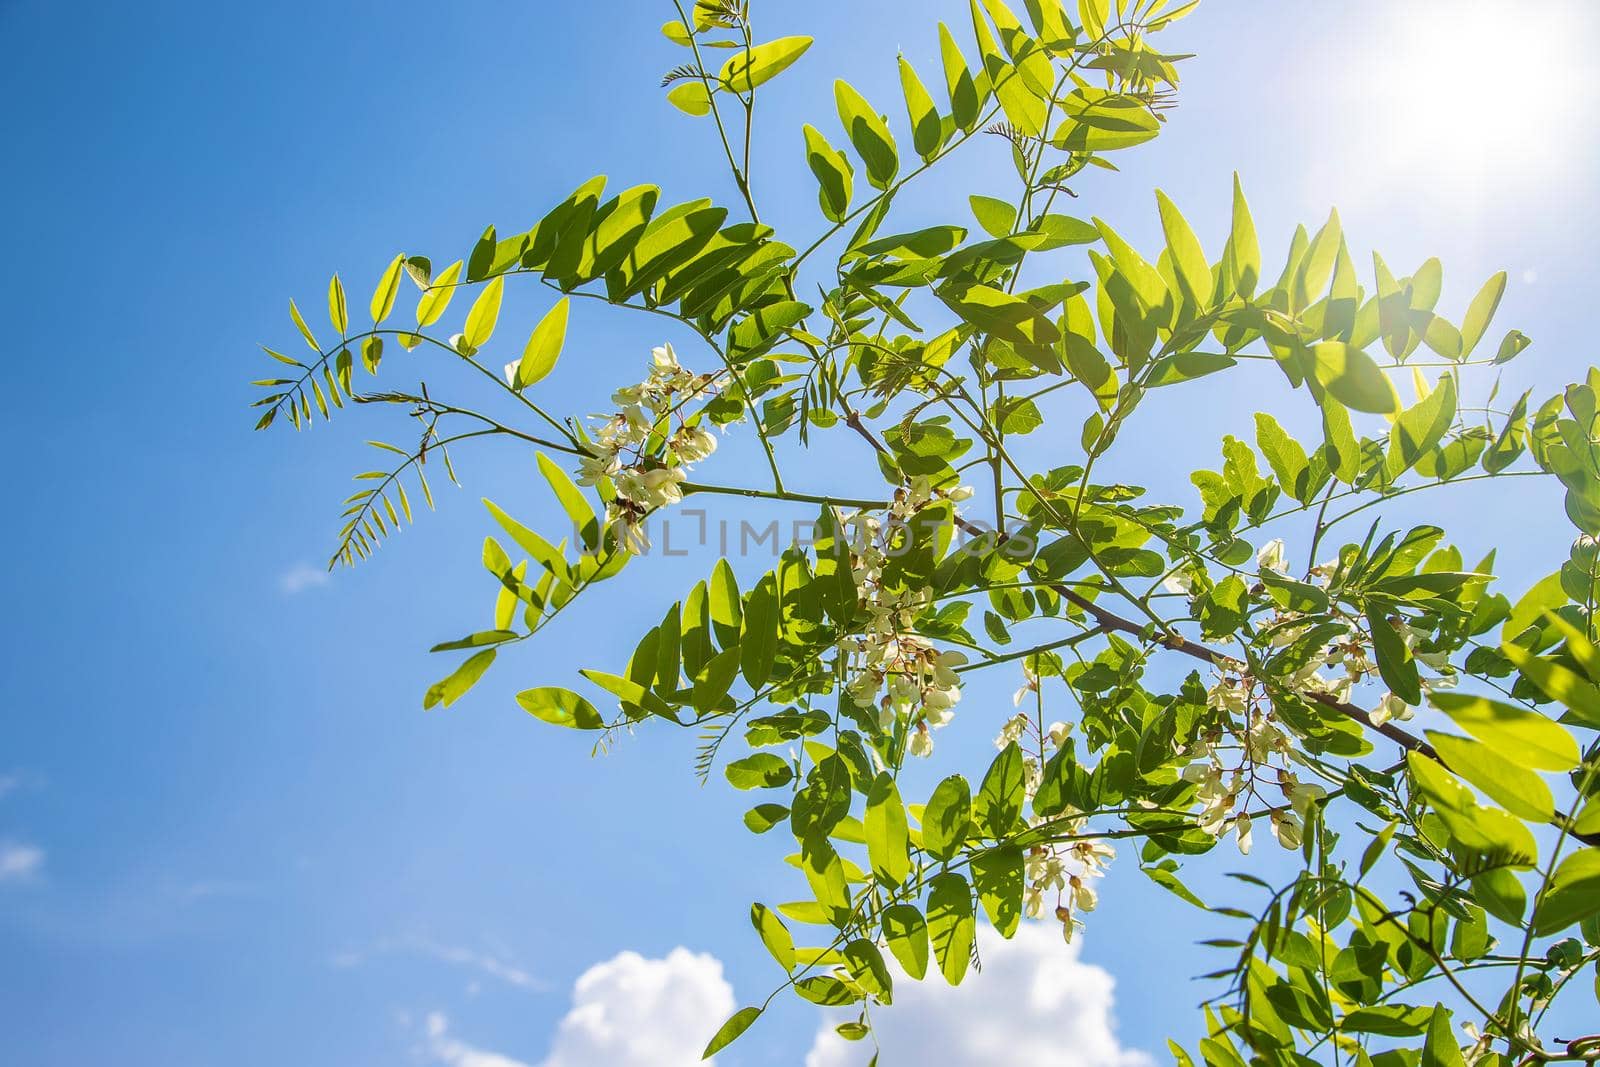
(228, 833)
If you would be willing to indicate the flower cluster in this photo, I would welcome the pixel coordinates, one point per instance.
(646, 447)
(1066, 868)
(910, 681)
(1234, 766)
(1250, 729)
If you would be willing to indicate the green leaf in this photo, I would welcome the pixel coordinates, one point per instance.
(887, 834)
(906, 931)
(758, 643)
(764, 817)
(448, 690)
(479, 639)
(1244, 250)
(947, 817)
(1341, 447)
(1352, 377)
(774, 935)
(951, 925)
(868, 968)
(433, 302)
(336, 306)
(1102, 121)
(995, 216)
(1316, 266)
(744, 71)
(835, 579)
(572, 500)
(1519, 735)
(763, 770)
(1420, 428)
(964, 96)
(1519, 791)
(1511, 346)
(484, 314)
(388, 288)
(713, 683)
(1395, 663)
(1188, 258)
(999, 877)
(723, 601)
(833, 173)
(542, 551)
(1440, 1049)
(927, 132)
(998, 806)
(561, 707)
(618, 225)
(1574, 893)
(731, 1030)
(632, 695)
(869, 134)
(1480, 312)
(305, 331)
(690, 97)
(544, 346)
(1578, 646)
(1577, 695)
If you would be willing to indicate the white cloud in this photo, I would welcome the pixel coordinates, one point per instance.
(629, 1011)
(1034, 1002)
(300, 577)
(498, 967)
(447, 1050)
(635, 1012)
(19, 863)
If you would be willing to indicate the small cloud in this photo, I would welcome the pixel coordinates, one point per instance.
(629, 1011)
(20, 863)
(300, 577)
(635, 1012)
(486, 963)
(17, 780)
(448, 1050)
(206, 890)
(1034, 1002)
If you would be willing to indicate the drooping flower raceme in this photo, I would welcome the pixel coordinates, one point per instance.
(645, 448)
(912, 683)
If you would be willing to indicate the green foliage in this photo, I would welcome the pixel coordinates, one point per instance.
(1464, 860)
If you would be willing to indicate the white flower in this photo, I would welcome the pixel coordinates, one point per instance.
(635, 539)
(1030, 684)
(1273, 557)
(1057, 733)
(921, 744)
(1230, 695)
(511, 372)
(598, 463)
(1032, 902)
(1241, 827)
(1180, 581)
(1068, 923)
(458, 342)
(1012, 730)
(1286, 828)
(1083, 898)
(664, 359)
(1390, 707)
(693, 444)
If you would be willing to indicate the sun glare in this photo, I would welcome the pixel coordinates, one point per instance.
(1474, 97)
